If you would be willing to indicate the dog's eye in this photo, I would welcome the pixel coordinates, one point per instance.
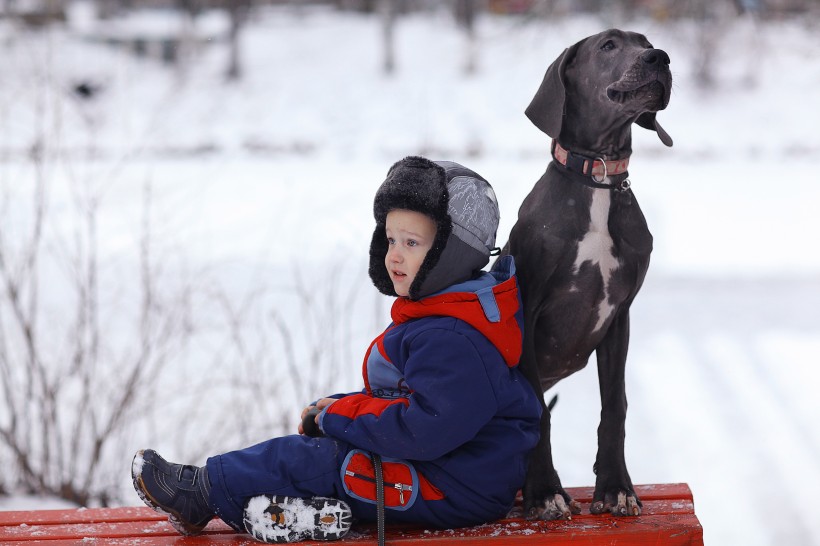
(608, 45)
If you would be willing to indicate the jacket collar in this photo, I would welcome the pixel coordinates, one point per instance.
(489, 303)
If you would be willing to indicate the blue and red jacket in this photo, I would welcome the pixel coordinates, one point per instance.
(442, 391)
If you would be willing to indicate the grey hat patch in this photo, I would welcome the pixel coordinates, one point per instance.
(473, 209)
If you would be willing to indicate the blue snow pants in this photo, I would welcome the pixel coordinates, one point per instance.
(301, 466)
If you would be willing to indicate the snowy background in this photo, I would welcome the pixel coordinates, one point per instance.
(261, 190)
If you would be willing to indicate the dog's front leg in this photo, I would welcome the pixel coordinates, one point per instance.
(544, 497)
(613, 486)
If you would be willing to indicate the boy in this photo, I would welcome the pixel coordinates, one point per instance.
(443, 405)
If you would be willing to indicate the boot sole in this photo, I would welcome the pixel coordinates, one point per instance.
(280, 519)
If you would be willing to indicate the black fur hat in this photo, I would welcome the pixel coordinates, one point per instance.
(462, 205)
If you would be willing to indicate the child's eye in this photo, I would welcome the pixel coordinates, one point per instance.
(411, 242)
(391, 241)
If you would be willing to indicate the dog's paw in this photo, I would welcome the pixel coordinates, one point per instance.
(555, 507)
(621, 504)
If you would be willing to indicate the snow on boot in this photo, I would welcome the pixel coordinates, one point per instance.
(279, 519)
(177, 491)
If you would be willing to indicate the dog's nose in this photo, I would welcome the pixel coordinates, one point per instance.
(653, 56)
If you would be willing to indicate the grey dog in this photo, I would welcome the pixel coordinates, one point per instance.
(582, 247)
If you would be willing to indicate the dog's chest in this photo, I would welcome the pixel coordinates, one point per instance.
(596, 249)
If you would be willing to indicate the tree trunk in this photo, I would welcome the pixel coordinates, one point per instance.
(237, 11)
(387, 11)
(465, 11)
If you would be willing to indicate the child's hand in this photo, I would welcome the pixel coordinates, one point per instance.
(320, 405)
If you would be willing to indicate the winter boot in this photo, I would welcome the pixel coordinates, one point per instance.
(278, 519)
(178, 491)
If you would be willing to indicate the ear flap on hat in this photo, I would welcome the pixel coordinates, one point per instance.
(647, 120)
(376, 269)
(546, 110)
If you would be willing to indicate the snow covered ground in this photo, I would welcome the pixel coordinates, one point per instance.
(279, 169)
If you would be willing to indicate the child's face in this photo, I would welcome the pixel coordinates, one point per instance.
(410, 235)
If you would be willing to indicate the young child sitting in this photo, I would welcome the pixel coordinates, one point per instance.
(443, 405)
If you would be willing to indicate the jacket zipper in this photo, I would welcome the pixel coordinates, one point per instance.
(401, 487)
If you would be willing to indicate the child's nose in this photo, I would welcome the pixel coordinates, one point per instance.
(394, 254)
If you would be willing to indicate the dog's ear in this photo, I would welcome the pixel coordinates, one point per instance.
(647, 120)
(546, 110)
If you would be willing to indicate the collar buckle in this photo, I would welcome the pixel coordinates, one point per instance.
(586, 166)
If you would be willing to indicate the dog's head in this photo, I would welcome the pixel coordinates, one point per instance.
(611, 80)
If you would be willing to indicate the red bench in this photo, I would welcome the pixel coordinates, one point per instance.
(668, 518)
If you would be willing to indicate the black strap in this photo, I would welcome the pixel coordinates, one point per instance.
(576, 163)
(620, 187)
(377, 469)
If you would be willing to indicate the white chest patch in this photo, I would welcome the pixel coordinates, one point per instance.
(596, 247)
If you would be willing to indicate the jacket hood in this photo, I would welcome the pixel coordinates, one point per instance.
(489, 303)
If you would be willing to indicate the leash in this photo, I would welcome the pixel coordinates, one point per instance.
(377, 469)
(593, 169)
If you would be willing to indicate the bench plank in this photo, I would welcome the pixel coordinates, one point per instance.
(668, 517)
